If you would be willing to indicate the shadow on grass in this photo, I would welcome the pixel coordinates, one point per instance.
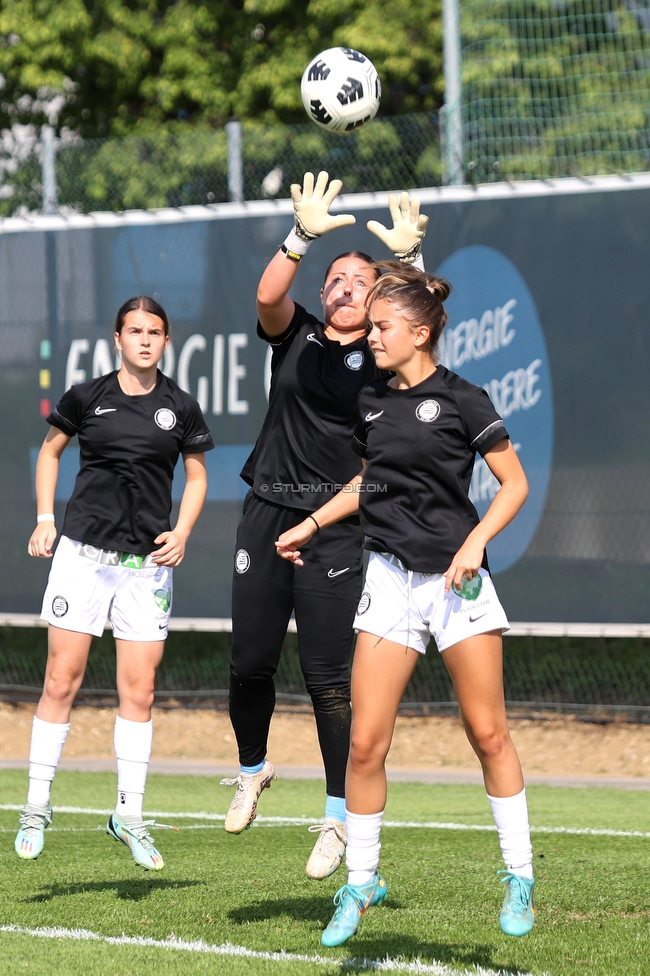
(126, 890)
(408, 948)
(398, 945)
(300, 909)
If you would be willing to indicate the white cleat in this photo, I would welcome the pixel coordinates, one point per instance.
(243, 809)
(328, 850)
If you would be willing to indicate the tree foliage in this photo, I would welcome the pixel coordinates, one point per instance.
(114, 67)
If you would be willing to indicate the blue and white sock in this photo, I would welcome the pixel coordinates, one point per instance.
(335, 808)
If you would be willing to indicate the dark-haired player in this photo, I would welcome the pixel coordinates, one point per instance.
(114, 559)
(428, 574)
(302, 456)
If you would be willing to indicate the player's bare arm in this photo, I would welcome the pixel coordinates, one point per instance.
(345, 503)
(506, 467)
(47, 473)
(172, 550)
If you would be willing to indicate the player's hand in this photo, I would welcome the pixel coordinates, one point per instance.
(466, 563)
(311, 206)
(42, 540)
(289, 543)
(409, 227)
(172, 552)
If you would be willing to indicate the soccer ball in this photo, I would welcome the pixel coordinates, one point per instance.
(340, 89)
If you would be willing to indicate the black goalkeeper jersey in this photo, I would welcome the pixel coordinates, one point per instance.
(420, 445)
(129, 446)
(304, 454)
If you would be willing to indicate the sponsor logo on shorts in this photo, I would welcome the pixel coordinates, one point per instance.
(164, 599)
(473, 617)
(354, 360)
(59, 606)
(109, 557)
(427, 411)
(242, 561)
(470, 589)
(332, 573)
(364, 603)
(166, 419)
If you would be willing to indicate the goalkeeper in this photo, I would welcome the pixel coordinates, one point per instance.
(302, 457)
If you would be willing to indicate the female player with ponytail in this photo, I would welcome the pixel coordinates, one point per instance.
(302, 455)
(419, 433)
(115, 559)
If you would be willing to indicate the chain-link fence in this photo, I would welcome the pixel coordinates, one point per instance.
(555, 89)
(182, 168)
(547, 90)
(598, 679)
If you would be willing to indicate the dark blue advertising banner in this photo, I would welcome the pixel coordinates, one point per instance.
(550, 312)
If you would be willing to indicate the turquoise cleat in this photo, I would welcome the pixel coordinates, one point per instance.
(133, 832)
(34, 819)
(518, 911)
(351, 902)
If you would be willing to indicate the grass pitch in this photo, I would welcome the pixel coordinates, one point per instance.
(243, 905)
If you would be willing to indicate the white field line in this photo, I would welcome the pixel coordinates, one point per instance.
(306, 821)
(228, 949)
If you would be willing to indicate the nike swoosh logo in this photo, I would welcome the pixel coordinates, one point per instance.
(100, 410)
(373, 416)
(332, 574)
(476, 616)
(312, 338)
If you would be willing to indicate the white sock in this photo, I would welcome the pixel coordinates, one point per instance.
(511, 817)
(362, 851)
(133, 750)
(48, 739)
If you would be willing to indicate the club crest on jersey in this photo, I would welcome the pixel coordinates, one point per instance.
(354, 360)
(166, 419)
(427, 411)
(59, 606)
(364, 603)
(242, 561)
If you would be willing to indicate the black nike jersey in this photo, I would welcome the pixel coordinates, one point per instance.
(129, 446)
(420, 445)
(304, 454)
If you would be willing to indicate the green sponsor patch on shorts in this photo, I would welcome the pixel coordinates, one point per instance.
(470, 588)
(130, 560)
(164, 599)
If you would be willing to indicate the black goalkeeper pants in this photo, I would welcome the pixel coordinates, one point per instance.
(323, 594)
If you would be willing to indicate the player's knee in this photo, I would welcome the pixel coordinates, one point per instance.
(490, 741)
(251, 676)
(330, 701)
(60, 686)
(367, 752)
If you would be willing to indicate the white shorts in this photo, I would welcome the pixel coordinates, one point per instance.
(407, 607)
(88, 586)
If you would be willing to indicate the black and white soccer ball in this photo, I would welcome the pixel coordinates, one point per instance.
(340, 89)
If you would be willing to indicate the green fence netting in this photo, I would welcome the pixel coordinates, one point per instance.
(596, 678)
(554, 89)
(189, 167)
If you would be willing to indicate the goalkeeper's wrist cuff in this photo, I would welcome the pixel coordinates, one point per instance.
(418, 262)
(294, 247)
(410, 256)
